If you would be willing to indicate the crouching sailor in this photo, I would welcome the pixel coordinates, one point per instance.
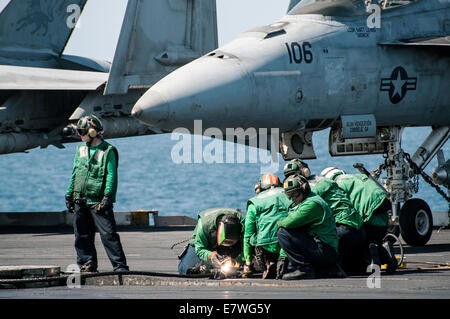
(261, 247)
(218, 235)
(307, 235)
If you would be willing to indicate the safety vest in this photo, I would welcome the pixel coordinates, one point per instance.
(366, 197)
(90, 173)
(270, 205)
(337, 200)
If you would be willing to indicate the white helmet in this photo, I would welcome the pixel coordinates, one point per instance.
(331, 172)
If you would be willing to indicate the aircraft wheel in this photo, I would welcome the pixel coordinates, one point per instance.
(416, 222)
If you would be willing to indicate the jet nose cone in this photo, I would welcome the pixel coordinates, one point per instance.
(136, 111)
(151, 108)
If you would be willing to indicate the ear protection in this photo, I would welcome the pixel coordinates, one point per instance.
(304, 169)
(304, 188)
(92, 132)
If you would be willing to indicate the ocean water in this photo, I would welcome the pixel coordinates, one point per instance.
(150, 179)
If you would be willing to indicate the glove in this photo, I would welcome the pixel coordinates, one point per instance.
(215, 259)
(105, 204)
(70, 204)
(248, 269)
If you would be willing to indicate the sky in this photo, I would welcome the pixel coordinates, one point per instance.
(101, 21)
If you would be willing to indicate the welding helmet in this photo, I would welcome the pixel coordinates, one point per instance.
(297, 166)
(332, 172)
(268, 180)
(229, 230)
(90, 125)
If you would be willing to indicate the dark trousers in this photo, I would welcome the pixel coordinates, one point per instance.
(304, 252)
(189, 260)
(351, 248)
(86, 221)
(375, 234)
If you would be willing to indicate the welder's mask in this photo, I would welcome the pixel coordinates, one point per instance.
(229, 231)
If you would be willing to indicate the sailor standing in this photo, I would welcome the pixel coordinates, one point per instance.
(91, 194)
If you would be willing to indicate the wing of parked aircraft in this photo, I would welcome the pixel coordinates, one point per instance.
(28, 78)
(43, 91)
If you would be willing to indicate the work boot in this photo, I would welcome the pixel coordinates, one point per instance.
(299, 274)
(271, 270)
(88, 267)
(122, 268)
(388, 257)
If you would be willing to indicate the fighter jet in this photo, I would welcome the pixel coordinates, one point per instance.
(365, 69)
(43, 91)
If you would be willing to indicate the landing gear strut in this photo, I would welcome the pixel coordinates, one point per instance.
(414, 217)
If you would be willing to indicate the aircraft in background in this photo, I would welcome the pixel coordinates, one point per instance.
(43, 91)
(365, 69)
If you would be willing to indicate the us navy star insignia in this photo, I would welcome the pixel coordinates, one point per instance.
(398, 84)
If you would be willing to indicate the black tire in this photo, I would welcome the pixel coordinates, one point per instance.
(416, 222)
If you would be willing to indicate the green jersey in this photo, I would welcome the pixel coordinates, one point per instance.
(337, 199)
(316, 217)
(263, 212)
(366, 197)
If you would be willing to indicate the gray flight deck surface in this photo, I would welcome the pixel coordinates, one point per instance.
(148, 249)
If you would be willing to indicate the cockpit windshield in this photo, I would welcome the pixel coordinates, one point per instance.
(342, 8)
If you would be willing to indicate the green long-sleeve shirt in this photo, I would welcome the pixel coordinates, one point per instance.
(316, 216)
(201, 243)
(366, 197)
(250, 231)
(263, 211)
(308, 213)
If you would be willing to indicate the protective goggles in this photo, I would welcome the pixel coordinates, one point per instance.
(82, 131)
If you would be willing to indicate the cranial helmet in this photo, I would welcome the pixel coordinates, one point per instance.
(332, 172)
(229, 230)
(268, 180)
(296, 184)
(89, 124)
(297, 166)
